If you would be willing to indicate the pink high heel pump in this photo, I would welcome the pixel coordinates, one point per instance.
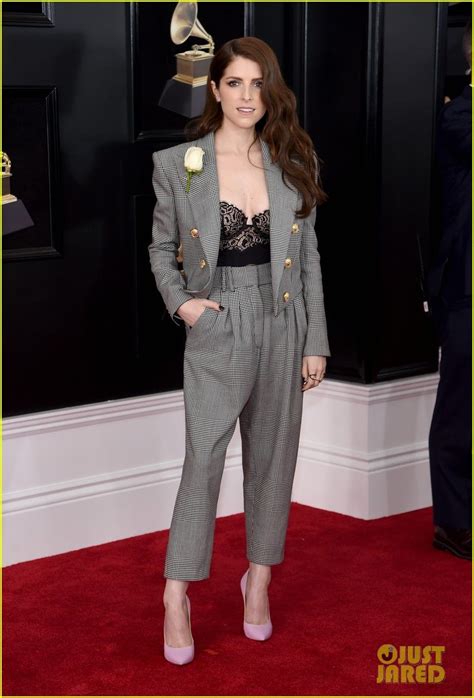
(254, 631)
(180, 655)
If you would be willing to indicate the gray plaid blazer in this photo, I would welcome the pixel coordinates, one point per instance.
(193, 219)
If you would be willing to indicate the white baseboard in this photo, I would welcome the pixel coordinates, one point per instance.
(364, 448)
(328, 479)
(88, 475)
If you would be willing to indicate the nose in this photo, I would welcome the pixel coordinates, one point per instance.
(247, 92)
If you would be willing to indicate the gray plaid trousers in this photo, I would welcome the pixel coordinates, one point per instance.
(239, 363)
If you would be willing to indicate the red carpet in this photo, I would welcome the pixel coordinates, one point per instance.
(90, 622)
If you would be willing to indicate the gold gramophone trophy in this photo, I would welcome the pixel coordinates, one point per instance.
(185, 92)
(7, 197)
(14, 214)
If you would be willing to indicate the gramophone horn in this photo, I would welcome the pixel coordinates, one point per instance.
(184, 23)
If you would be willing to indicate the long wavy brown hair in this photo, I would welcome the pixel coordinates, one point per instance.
(290, 145)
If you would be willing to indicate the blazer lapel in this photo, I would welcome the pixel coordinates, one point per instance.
(203, 200)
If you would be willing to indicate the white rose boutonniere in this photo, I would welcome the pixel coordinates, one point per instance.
(193, 163)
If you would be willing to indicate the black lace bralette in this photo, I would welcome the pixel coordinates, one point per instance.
(237, 233)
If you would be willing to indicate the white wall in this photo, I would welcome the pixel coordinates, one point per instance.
(87, 475)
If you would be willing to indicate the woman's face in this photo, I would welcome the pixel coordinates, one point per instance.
(240, 86)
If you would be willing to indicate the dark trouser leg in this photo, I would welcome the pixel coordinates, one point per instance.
(450, 439)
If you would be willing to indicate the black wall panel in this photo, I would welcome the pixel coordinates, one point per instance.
(30, 120)
(89, 325)
(336, 118)
(404, 341)
(67, 321)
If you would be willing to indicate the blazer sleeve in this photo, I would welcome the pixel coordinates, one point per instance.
(316, 343)
(165, 243)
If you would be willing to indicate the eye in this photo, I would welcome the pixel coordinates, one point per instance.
(232, 82)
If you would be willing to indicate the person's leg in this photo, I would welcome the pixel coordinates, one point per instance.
(257, 607)
(218, 373)
(176, 622)
(450, 432)
(270, 426)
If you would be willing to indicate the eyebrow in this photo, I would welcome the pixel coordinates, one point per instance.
(234, 77)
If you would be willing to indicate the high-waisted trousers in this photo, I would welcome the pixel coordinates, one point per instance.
(239, 363)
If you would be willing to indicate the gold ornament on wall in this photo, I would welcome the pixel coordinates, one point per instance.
(7, 196)
(185, 92)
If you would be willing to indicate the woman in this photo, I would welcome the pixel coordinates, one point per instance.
(251, 298)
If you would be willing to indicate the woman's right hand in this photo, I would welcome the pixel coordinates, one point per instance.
(190, 310)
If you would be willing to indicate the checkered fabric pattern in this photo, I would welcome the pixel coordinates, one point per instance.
(193, 219)
(243, 363)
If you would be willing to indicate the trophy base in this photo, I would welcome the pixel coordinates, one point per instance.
(8, 199)
(183, 99)
(15, 217)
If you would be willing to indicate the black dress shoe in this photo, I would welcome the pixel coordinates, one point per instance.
(457, 541)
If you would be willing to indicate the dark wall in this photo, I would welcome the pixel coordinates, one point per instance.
(403, 343)
(336, 116)
(83, 321)
(68, 320)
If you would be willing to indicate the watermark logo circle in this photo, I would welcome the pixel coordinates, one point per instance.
(387, 654)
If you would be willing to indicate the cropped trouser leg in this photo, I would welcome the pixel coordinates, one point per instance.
(270, 425)
(239, 362)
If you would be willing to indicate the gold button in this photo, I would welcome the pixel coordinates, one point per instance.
(286, 295)
(295, 227)
(287, 262)
(202, 263)
(194, 232)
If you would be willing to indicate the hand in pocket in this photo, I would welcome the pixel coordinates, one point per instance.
(190, 311)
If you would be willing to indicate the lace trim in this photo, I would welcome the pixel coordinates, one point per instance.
(237, 234)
